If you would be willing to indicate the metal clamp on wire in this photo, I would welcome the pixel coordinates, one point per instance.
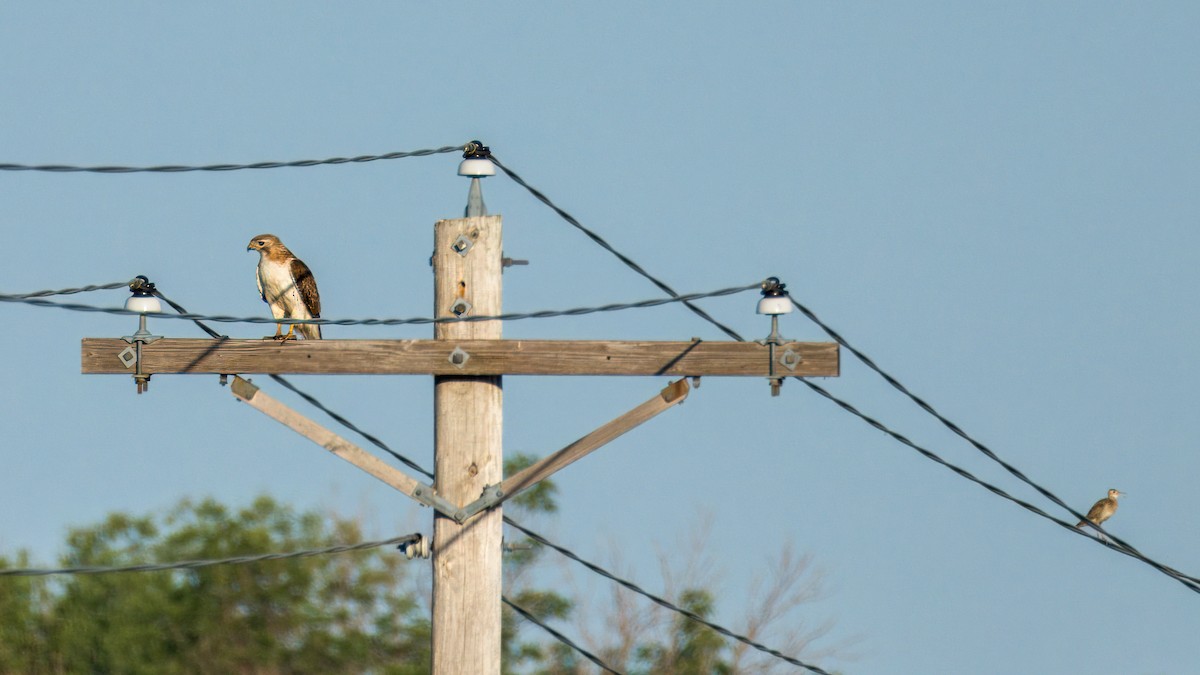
(417, 547)
(476, 164)
(775, 301)
(143, 301)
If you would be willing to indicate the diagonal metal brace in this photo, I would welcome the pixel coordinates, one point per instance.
(493, 495)
(247, 392)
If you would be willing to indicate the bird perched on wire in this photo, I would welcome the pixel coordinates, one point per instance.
(1103, 509)
(287, 286)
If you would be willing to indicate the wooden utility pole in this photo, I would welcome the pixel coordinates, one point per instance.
(468, 456)
(467, 360)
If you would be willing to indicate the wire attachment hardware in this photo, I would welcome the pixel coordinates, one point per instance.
(775, 301)
(419, 547)
(142, 300)
(476, 164)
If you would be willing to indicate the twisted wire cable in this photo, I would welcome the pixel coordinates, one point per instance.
(512, 316)
(71, 291)
(1191, 581)
(528, 616)
(308, 397)
(312, 400)
(662, 285)
(566, 552)
(662, 602)
(351, 426)
(1121, 546)
(176, 168)
(197, 564)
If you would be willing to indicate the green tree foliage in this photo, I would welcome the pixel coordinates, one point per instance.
(328, 614)
(347, 613)
(691, 648)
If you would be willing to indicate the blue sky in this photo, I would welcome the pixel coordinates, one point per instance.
(998, 203)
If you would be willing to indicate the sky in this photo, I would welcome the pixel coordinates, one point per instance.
(996, 201)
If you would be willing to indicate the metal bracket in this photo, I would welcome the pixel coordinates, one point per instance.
(131, 356)
(492, 495)
(789, 359)
(128, 356)
(426, 495)
(459, 357)
(462, 245)
(461, 307)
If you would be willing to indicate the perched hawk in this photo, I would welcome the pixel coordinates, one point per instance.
(287, 285)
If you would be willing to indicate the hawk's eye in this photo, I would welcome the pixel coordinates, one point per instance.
(260, 242)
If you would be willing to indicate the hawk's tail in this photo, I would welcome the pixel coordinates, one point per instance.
(310, 331)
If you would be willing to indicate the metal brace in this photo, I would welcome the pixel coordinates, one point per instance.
(492, 495)
(429, 497)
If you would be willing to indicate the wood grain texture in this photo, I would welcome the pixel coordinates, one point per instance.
(342, 448)
(485, 357)
(672, 395)
(468, 455)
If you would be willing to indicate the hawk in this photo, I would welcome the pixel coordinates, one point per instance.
(287, 286)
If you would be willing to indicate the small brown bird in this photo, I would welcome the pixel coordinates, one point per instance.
(287, 286)
(1103, 509)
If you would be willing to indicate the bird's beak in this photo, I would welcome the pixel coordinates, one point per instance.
(249, 248)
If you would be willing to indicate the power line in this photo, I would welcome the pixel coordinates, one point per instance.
(1191, 583)
(870, 363)
(528, 616)
(377, 442)
(71, 291)
(566, 552)
(177, 168)
(1122, 547)
(350, 425)
(196, 564)
(37, 301)
(608, 247)
(308, 397)
(662, 602)
(867, 361)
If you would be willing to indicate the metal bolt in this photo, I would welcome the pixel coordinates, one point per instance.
(789, 359)
(462, 245)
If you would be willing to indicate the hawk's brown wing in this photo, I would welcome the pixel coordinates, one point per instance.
(307, 285)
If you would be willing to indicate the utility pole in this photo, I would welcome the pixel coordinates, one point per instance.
(467, 360)
(468, 456)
